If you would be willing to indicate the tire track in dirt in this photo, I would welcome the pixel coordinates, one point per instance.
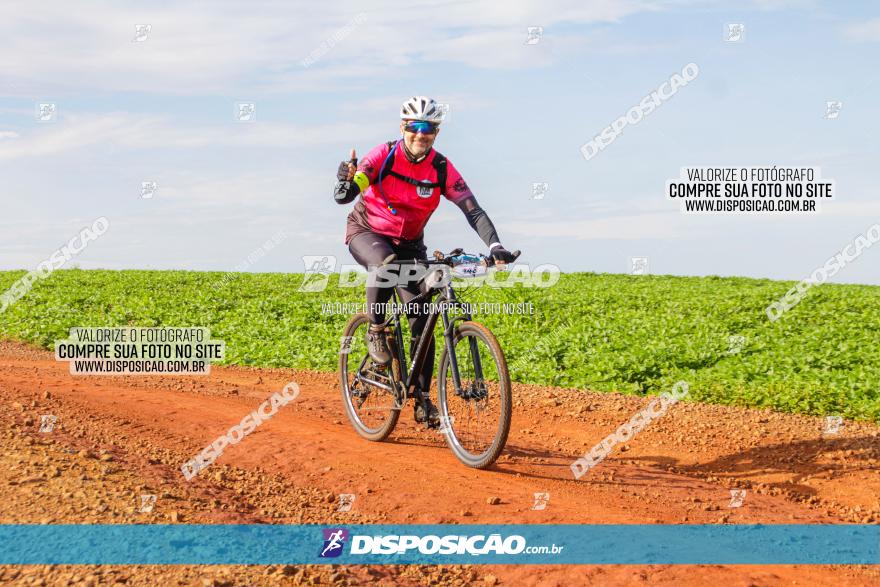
(290, 470)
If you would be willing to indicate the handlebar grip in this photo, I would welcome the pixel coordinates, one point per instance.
(490, 260)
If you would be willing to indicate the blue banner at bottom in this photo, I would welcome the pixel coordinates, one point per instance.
(440, 544)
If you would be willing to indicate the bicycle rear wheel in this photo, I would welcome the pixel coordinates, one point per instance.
(371, 404)
(475, 418)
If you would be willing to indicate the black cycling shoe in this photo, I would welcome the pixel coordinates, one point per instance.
(377, 345)
(432, 418)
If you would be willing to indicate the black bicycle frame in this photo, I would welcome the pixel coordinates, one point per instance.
(447, 297)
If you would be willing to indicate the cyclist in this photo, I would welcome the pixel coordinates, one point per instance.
(400, 183)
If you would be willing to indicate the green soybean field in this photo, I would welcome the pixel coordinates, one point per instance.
(604, 332)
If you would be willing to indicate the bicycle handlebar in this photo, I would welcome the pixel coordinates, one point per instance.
(448, 259)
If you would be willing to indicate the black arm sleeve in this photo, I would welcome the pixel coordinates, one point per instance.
(344, 194)
(479, 220)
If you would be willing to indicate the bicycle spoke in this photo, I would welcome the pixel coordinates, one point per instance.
(474, 409)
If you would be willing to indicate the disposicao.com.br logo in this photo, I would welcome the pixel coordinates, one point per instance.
(453, 544)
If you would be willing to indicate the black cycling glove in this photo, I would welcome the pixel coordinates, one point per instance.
(345, 190)
(499, 253)
(342, 172)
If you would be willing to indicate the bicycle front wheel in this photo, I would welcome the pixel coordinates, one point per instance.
(476, 410)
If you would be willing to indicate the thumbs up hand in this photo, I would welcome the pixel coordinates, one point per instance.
(348, 168)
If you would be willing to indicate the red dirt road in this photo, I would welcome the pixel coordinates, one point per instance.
(118, 437)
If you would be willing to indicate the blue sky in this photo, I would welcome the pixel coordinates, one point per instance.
(162, 110)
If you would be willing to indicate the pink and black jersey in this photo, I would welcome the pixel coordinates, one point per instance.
(413, 204)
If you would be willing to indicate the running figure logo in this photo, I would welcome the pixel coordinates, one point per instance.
(737, 497)
(317, 275)
(334, 541)
(47, 423)
(535, 33)
(148, 501)
(735, 33)
(832, 109)
(148, 189)
(639, 266)
(541, 501)
(539, 190)
(47, 113)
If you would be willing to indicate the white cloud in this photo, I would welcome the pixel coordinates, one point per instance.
(388, 106)
(496, 49)
(262, 193)
(123, 130)
(667, 226)
(783, 4)
(213, 48)
(864, 31)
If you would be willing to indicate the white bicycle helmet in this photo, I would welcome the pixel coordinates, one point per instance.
(422, 108)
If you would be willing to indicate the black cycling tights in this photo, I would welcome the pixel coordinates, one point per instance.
(370, 250)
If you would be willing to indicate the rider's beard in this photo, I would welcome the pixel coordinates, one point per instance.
(418, 148)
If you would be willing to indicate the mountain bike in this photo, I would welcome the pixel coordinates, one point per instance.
(473, 383)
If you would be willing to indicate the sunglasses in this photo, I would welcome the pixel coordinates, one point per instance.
(416, 126)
